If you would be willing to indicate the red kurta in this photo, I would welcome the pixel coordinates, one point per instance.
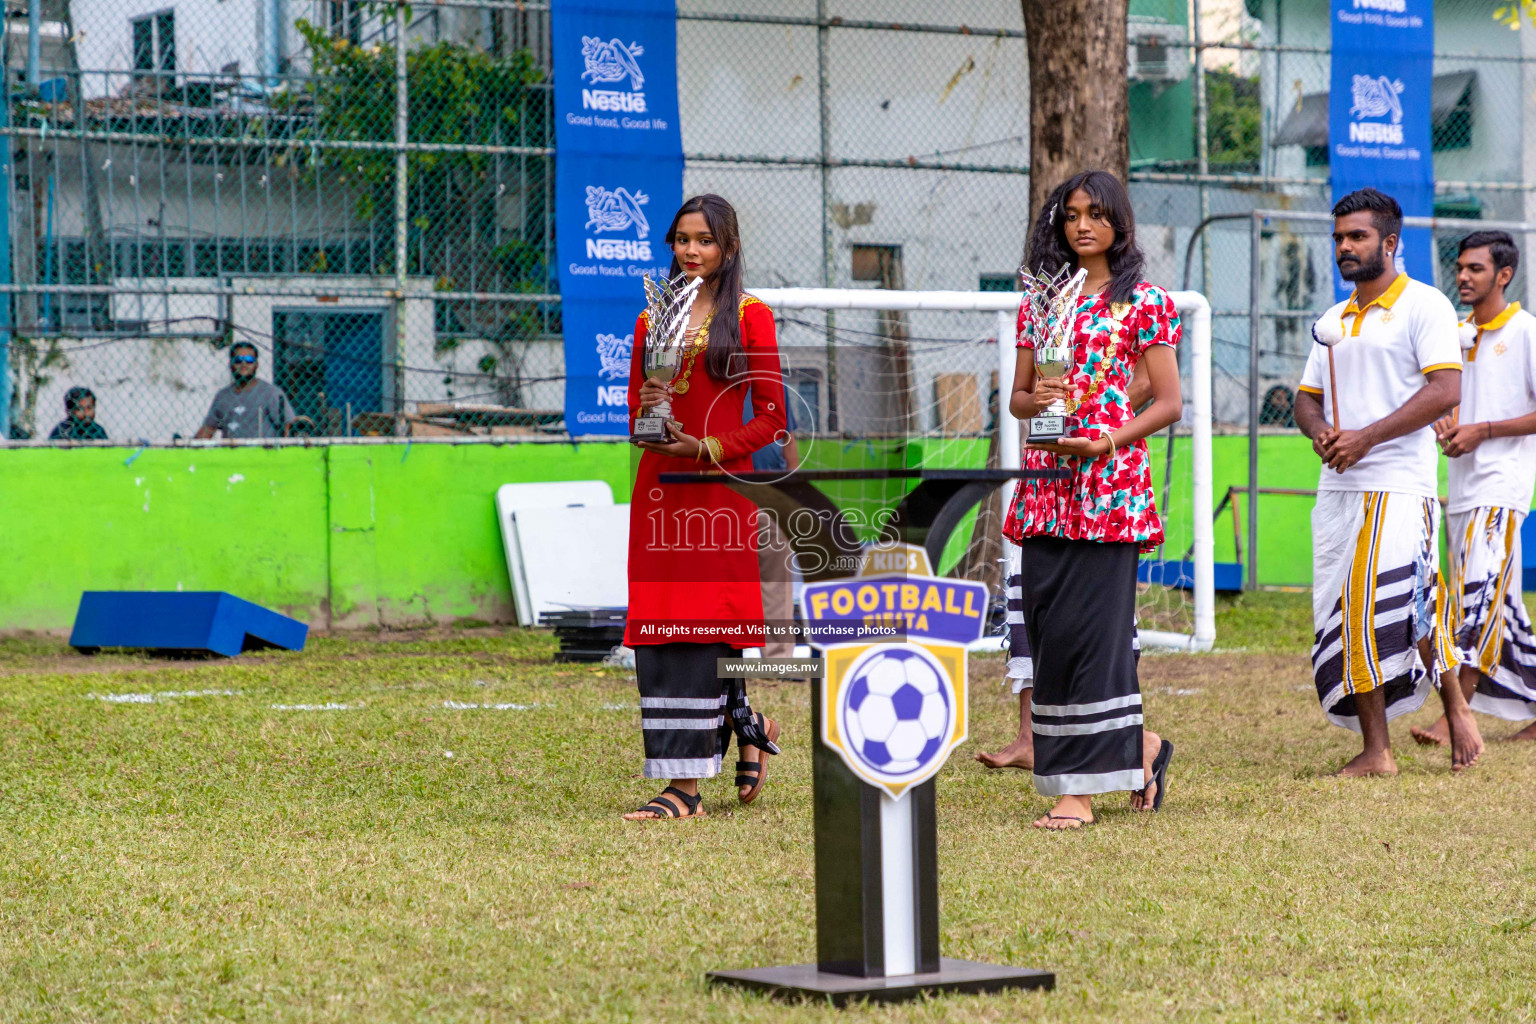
(693, 571)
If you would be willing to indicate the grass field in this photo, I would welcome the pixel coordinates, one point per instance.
(425, 828)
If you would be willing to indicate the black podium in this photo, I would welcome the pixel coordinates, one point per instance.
(877, 872)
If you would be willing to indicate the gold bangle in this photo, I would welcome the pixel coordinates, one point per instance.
(1109, 436)
(716, 452)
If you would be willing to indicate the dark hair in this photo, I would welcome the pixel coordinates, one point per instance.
(724, 358)
(1386, 215)
(74, 396)
(242, 344)
(1048, 250)
(1500, 246)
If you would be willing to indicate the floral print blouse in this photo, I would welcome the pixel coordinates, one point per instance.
(1106, 499)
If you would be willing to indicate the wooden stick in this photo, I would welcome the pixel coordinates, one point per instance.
(1333, 389)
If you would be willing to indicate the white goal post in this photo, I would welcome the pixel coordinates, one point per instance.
(1194, 311)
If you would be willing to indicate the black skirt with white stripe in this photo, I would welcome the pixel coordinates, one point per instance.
(1021, 664)
(1079, 602)
(682, 708)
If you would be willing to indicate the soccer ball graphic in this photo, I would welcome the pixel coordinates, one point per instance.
(896, 712)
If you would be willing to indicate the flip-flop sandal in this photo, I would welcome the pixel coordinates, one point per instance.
(1082, 823)
(665, 809)
(758, 769)
(1159, 775)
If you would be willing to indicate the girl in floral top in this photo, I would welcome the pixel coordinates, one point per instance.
(1080, 537)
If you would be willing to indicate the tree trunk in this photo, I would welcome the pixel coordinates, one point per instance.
(1079, 114)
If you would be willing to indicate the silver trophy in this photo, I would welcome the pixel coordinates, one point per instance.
(667, 307)
(1053, 305)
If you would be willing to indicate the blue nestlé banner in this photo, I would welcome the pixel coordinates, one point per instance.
(618, 180)
(1379, 113)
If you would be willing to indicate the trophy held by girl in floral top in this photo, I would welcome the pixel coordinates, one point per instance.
(1053, 302)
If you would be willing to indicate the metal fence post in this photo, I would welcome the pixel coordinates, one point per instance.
(1202, 141)
(823, 30)
(5, 264)
(1255, 282)
(402, 196)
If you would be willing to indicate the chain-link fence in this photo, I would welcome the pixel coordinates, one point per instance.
(374, 226)
(378, 224)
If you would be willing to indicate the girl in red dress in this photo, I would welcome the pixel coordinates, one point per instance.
(1079, 538)
(694, 588)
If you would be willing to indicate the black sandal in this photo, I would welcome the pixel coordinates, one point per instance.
(664, 809)
(1159, 775)
(768, 730)
(1082, 823)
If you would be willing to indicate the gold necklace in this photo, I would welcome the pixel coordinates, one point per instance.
(1095, 385)
(700, 341)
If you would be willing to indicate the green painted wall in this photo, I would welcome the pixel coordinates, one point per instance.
(348, 536)
(336, 536)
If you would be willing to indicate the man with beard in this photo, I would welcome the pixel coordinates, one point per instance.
(248, 406)
(1491, 440)
(1379, 613)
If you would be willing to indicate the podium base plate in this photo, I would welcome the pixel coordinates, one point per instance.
(806, 981)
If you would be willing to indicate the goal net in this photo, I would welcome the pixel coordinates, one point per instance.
(884, 379)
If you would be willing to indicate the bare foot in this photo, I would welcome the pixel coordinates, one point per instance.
(1437, 735)
(1367, 764)
(1070, 813)
(1018, 754)
(1151, 743)
(1466, 741)
(1528, 733)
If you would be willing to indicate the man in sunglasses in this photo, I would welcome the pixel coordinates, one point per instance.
(248, 406)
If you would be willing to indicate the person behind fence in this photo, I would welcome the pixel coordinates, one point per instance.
(695, 593)
(247, 406)
(79, 422)
(1079, 538)
(1382, 631)
(1491, 441)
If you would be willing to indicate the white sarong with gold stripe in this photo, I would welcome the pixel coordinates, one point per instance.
(1376, 592)
(1491, 625)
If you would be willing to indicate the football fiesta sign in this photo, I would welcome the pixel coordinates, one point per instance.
(894, 700)
(617, 181)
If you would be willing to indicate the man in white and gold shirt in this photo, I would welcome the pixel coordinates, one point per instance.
(1381, 631)
(1491, 440)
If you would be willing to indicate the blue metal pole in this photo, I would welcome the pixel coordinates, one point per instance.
(34, 41)
(272, 45)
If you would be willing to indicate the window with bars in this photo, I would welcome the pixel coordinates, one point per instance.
(526, 30)
(346, 20)
(154, 43)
